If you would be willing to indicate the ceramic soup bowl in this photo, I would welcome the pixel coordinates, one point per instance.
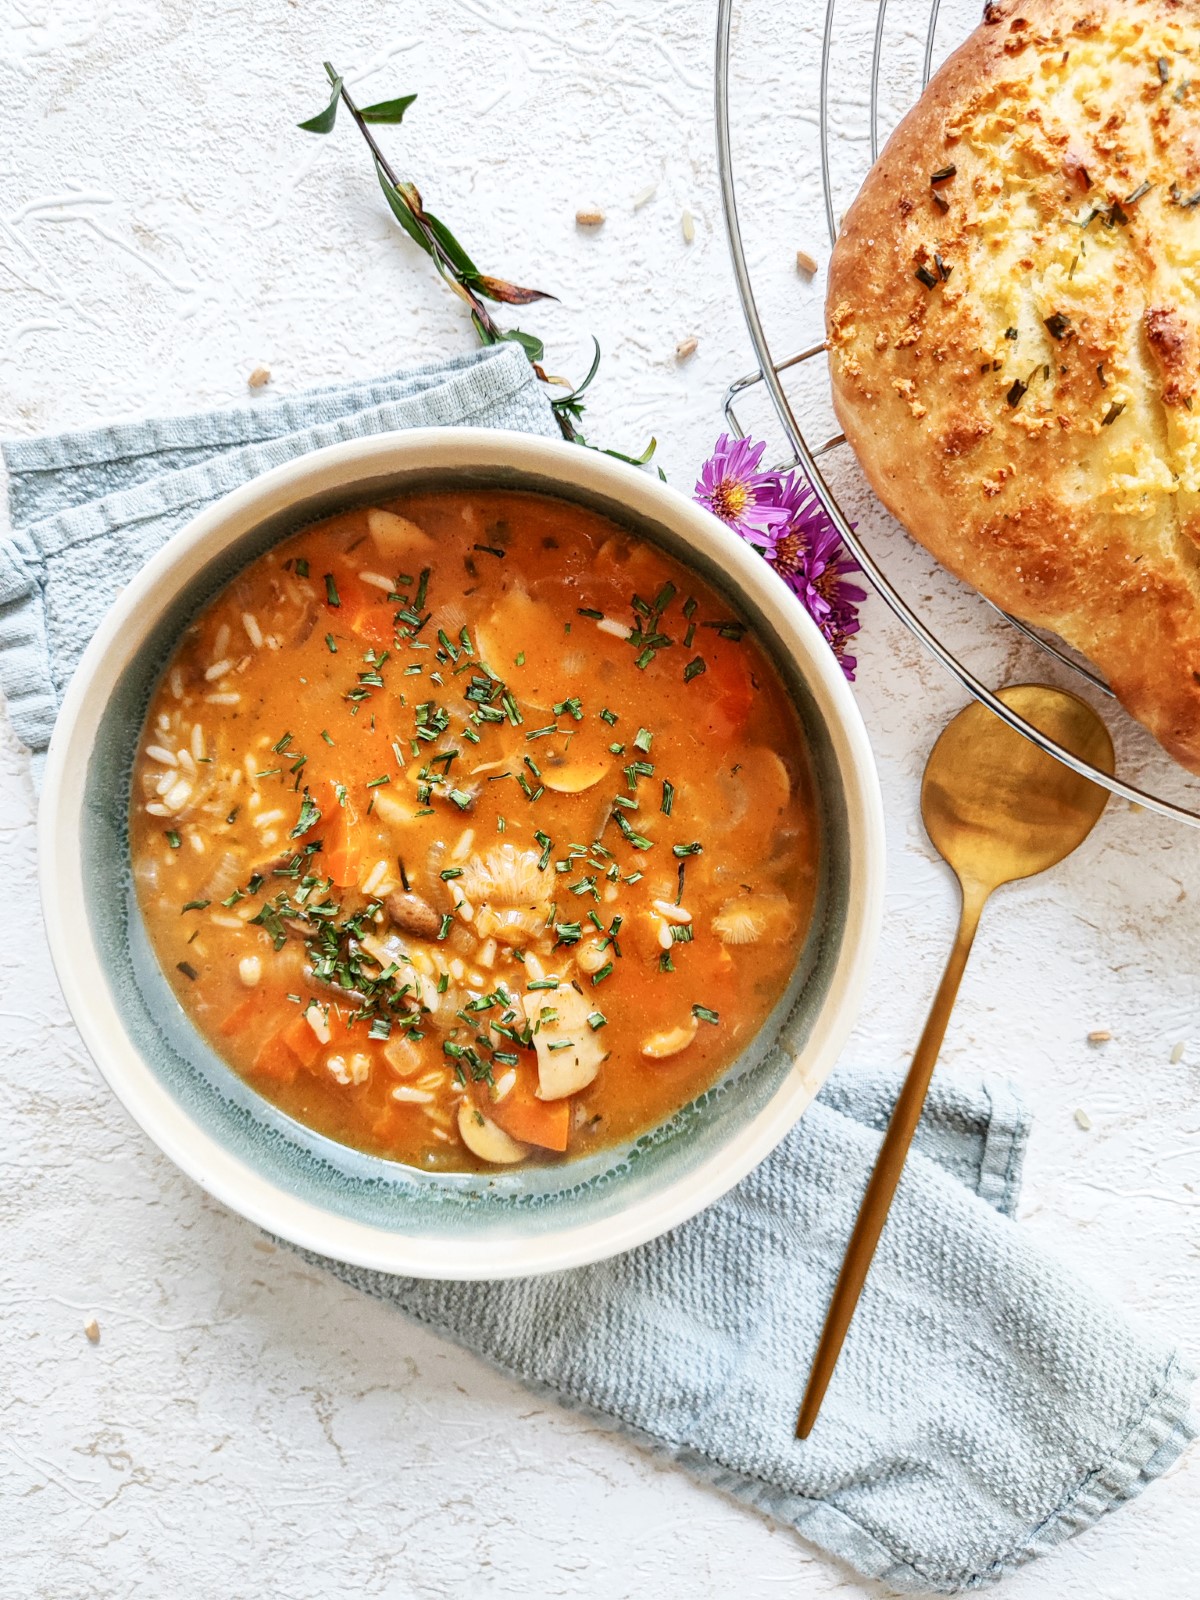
(304, 1187)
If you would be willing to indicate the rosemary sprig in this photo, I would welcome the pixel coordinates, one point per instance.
(454, 265)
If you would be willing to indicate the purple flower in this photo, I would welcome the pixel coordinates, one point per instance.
(790, 527)
(733, 488)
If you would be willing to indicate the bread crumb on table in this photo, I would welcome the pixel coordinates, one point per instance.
(92, 1330)
(806, 263)
(592, 217)
(259, 378)
(1099, 1036)
(686, 348)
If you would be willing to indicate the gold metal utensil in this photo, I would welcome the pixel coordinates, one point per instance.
(996, 808)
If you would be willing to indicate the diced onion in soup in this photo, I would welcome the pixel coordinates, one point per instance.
(395, 536)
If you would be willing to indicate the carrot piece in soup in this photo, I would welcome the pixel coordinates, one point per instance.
(242, 1016)
(343, 854)
(337, 828)
(364, 608)
(728, 689)
(277, 1061)
(299, 1038)
(372, 622)
(523, 1116)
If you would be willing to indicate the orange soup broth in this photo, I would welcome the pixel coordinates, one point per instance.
(302, 687)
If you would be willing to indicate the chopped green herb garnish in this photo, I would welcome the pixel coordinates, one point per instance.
(332, 643)
(331, 594)
(187, 969)
(642, 740)
(694, 668)
(703, 1014)
(310, 815)
(668, 797)
(547, 845)
(637, 840)
(301, 567)
(282, 744)
(172, 839)
(448, 873)
(605, 971)
(687, 849)
(608, 716)
(196, 905)
(447, 923)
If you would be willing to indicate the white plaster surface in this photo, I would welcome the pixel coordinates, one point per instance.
(245, 1426)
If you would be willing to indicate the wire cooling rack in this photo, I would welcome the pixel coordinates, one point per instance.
(882, 34)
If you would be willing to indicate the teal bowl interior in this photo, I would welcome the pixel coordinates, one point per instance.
(369, 1189)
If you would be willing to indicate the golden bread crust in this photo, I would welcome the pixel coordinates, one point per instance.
(1015, 343)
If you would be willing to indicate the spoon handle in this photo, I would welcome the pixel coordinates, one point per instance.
(889, 1164)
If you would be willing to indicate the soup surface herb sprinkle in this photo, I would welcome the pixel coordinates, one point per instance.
(473, 830)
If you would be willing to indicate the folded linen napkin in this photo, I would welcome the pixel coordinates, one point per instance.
(987, 1405)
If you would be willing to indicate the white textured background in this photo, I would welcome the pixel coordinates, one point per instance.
(246, 1427)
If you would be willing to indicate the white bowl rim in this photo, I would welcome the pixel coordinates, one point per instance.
(224, 1175)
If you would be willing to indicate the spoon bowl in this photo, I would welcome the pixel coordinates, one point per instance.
(998, 808)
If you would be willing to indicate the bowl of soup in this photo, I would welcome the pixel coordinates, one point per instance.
(461, 854)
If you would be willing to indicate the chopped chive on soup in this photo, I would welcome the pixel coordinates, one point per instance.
(450, 850)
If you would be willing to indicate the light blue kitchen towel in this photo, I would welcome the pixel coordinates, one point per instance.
(987, 1405)
(88, 508)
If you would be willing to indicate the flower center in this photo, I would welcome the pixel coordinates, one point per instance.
(788, 553)
(826, 585)
(729, 499)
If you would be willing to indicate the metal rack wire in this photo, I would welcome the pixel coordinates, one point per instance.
(771, 372)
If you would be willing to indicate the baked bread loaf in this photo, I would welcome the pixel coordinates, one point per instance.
(1014, 327)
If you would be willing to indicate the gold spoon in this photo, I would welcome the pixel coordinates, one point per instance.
(996, 808)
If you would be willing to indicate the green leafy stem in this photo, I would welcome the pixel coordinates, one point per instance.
(453, 263)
